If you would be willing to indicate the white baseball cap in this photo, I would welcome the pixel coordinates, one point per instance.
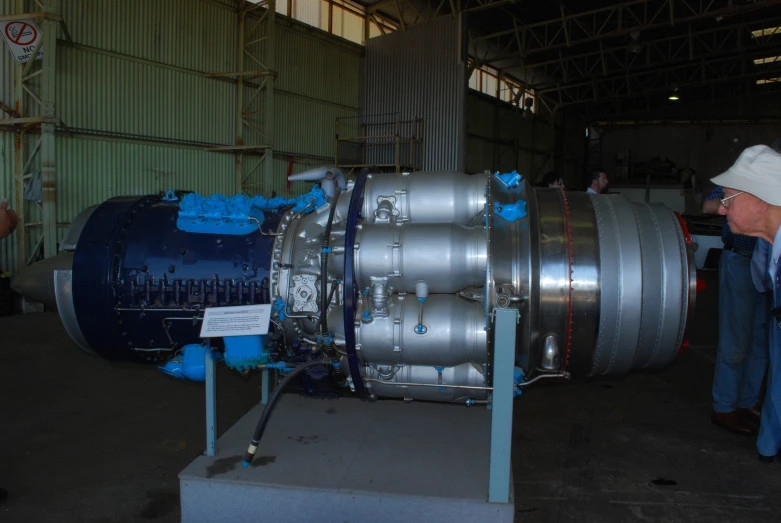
(757, 171)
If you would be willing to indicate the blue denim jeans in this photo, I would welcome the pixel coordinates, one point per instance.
(742, 352)
(769, 439)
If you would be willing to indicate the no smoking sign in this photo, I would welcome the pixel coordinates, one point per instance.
(21, 37)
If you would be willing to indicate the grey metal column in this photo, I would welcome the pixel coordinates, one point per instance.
(19, 163)
(268, 120)
(48, 148)
(264, 386)
(505, 325)
(211, 404)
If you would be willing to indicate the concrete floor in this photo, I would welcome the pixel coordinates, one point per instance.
(83, 440)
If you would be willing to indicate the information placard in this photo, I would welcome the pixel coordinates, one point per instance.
(245, 320)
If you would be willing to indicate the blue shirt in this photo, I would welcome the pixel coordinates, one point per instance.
(739, 242)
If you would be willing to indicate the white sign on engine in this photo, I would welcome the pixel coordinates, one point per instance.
(246, 320)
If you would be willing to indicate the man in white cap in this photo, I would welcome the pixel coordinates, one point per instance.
(752, 205)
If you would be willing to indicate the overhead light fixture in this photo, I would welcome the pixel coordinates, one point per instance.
(674, 95)
(634, 45)
(767, 60)
(769, 31)
(769, 80)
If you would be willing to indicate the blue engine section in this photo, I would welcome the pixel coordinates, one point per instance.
(514, 211)
(245, 352)
(511, 211)
(509, 179)
(218, 214)
(189, 364)
(140, 283)
(241, 352)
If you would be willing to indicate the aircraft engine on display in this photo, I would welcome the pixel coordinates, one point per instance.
(386, 285)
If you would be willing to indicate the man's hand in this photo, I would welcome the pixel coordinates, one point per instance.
(8, 219)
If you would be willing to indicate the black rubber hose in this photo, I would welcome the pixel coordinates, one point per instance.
(324, 300)
(327, 304)
(350, 293)
(272, 401)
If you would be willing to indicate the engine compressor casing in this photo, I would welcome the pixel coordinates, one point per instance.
(140, 283)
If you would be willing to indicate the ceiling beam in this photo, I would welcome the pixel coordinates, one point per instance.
(687, 46)
(666, 60)
(704, 73)
(617, 19)
(592, 89)
(430, 9)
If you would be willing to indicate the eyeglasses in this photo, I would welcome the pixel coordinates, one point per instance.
(725, 200)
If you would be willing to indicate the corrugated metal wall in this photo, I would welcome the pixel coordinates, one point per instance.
(500, 139)
(316, 65)
(193, 34)
(6, 64)
(136, 76)
(421, 72)
(122, 168)
(100, 92)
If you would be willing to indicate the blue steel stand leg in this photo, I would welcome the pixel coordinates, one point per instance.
(264, 387)
(211, 405)
(505, 325)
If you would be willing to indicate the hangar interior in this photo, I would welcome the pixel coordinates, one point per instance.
(375, 143)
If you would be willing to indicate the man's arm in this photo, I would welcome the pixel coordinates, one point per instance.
(711, 206)
(759, 265)
(8, 219)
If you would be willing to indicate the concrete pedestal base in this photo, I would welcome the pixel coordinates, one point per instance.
(349, 461)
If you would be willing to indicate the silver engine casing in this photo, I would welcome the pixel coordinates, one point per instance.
(602, 285)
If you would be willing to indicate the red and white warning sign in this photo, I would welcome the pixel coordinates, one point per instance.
(21, 37)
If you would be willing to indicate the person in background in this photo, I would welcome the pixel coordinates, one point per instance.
(689, 191)
(599, 182)
(742, 352)
(752, 206)
(552, 181)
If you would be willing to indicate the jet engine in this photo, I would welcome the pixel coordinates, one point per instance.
(391, 280)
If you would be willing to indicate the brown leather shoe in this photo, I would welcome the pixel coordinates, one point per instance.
(734, 422)
(752, 414)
